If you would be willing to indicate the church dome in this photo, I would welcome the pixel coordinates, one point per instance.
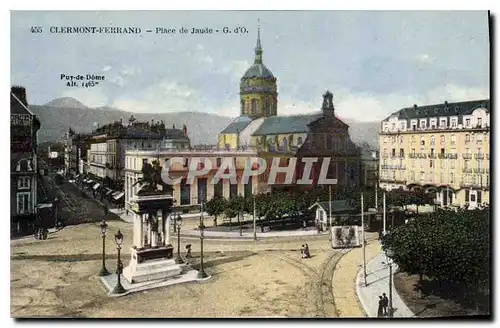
(258, 70)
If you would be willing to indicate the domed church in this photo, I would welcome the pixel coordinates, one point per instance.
(259, 127)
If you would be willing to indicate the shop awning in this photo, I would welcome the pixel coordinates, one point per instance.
(90, 181)
(96, 186)
(77, 176)
(115, 193)
(109, 191)
(120, 195)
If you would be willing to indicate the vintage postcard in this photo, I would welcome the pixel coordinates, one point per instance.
(250, 164)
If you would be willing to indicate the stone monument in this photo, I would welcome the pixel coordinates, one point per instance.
(152, 254)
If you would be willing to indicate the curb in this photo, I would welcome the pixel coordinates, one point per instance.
(358, 286)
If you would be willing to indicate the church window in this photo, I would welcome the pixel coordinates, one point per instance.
(242, 105)
(270, 145)
(290, 140)
(254, 106)
(299, 141)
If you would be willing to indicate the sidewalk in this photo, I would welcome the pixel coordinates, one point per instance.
(377, 278)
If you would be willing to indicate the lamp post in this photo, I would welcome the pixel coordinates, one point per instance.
(177, 226)
(388, 254)
(104, 226)
(119, 288)
(56, 204)
(201, 274)
(254, 218)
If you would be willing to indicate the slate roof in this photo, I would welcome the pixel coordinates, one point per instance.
(258, 70)
(175, 134)
(441, 110)
(135, 132)
(286, 124)
(237, 125)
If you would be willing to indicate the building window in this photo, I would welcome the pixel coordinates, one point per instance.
(233, 190)
(453, 139)
(479, 122)
(23, 202)
(452, 164)
(452, 178)
(479, 138)
(412, 175)
(401, 139)
(431, 163)
(441, 177)
(466, 164)
(412, 139)
(254, 106)
(422, 141)
(202, 190)
(467, 122)
(433, 140)
(443, 164)
(186, 163)
(454, 122)
(185, 193)
(218, 189)
(442, 122)
(24, 183)
(413, 163)
(422, 176)
(423, 124)
(393, 153)
(467, 138)
(299, 141)
(443, 139)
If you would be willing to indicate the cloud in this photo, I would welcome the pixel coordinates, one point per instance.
(91, 97)
(106, 68)
(166, 96)
(131, 71)
(200, 47)
(425, 58)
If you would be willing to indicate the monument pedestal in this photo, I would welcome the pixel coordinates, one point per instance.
(151, 264)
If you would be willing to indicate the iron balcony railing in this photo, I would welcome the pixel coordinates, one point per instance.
(479, 156)
(431, 155)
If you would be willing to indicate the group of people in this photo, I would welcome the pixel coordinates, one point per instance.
(383, 304)
(304, 251)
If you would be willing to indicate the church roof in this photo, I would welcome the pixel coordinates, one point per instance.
(238, 124)
(258, 70)
(286, 124)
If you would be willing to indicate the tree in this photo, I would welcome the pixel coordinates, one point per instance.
(237, 204)
(215, 207)
(446, 246)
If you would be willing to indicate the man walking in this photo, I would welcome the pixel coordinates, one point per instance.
(380, 310)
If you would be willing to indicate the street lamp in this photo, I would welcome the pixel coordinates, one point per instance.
(177, 226)
(104, 226)
(56, 202)
(201, 274)
(389, 253)
(119, 288)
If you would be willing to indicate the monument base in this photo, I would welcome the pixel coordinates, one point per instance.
(150, 265)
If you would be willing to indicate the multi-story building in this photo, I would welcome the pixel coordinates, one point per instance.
(201, 188)
(108, 144)
(321, 134)
(24, 172)
(442, 148)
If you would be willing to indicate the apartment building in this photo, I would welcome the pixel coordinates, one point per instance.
(108, 144)
(24, 126)
(201, 188)
(441, 148)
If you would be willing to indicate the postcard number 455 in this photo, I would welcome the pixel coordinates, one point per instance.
(36, 29)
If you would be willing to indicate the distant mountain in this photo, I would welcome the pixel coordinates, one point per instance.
(59, 114)
(66, 102)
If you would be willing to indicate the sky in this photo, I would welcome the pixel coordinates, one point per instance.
(374, 62)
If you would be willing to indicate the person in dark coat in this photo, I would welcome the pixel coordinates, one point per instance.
(306, 252)
(380, 311)
(386, 304)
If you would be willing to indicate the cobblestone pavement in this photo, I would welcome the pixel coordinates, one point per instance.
(57, 277)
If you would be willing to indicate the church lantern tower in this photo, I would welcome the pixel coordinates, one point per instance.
(258, 89)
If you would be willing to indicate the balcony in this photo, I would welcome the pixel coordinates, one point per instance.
(400, 167)
(467, 156)
(467, 170)
(412, 155)
(479, 170)
(442, 156)
(402, 156)
(393, 180)
(487, 171)
(431, 155)
(452, 156)
(479, 156)
(422, 155)
(385, 156)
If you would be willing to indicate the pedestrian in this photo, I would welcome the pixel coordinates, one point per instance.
(380, 310)
(380, 234)
(306, 252)
(302, 251)
(304, 224)
(188, 249)
(386, 304)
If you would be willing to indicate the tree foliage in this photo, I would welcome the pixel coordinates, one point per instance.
(445, 245)
(215, 207)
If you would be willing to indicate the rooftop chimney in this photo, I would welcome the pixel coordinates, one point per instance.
(445, 104)
(185, 129)
(173, 126)
(20, 93)
(414, 106)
